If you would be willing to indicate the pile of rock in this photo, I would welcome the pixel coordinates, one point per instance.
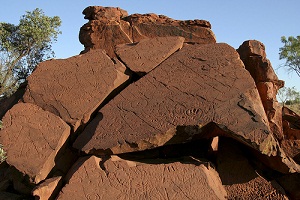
(154, 108)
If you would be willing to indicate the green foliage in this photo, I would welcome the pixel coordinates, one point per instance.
(25, 45)
(291, 53)
(289, 96)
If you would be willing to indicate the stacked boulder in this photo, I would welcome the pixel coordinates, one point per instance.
(153, 108)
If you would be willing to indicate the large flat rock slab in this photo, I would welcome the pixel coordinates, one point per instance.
(144, 56)
(121, 179)
(195, 86)
(74, 88)
(32, 138)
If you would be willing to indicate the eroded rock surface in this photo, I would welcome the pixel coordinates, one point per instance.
(252, 53)
(74, 88)
(213, 87)
(144, 56)
(32, 138)
(115, 178)
(194, 125)
(108, 27)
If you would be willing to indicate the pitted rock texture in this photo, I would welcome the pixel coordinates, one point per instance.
(252, 53)
(32, 138)
(74, 88)
(115, 178)
(213, 87)
(108, 27)
(144, 56)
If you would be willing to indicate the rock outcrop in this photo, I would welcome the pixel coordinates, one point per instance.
(32, 138)
(76, 87)
(108, 27)
(253, 55)
(153, 108)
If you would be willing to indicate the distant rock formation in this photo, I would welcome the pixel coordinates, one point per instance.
(153, 108)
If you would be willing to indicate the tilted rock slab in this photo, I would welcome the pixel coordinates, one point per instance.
(121, 179)
(108, 27)
(32, 138)
(74, 88)
(195, 86)
(46, 190)
(144, 56)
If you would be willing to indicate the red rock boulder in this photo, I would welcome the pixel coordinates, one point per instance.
(32, 138)
(74, 88)
(93, 178)
(195, 86)
(108, 27)
(252, 53)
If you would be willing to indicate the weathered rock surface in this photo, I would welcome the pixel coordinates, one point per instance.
(240, 179)
(252, 53)
(195, 124)
(115, 178)
(76, 86)
(32, 138)
(47, 189)
(291, 130)
(108, 27)
(213, 87)
(291, 124)
(144, 56)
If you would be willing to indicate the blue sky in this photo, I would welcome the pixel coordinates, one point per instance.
(233, 21)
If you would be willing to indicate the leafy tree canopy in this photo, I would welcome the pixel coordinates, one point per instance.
(25, 45)
(291, 53)
(289, 95)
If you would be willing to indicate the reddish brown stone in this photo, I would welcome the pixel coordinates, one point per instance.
(147, 54)
(32, 137)
(121, 179)
(46, 190)
(292, 148)
(253, 55)
(104, 13)
(195, 86)
(110, 26)
(240, 179)
(73, 88)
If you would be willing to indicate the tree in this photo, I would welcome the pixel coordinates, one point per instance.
(291, 52)
(23, 46)
(287, 94)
